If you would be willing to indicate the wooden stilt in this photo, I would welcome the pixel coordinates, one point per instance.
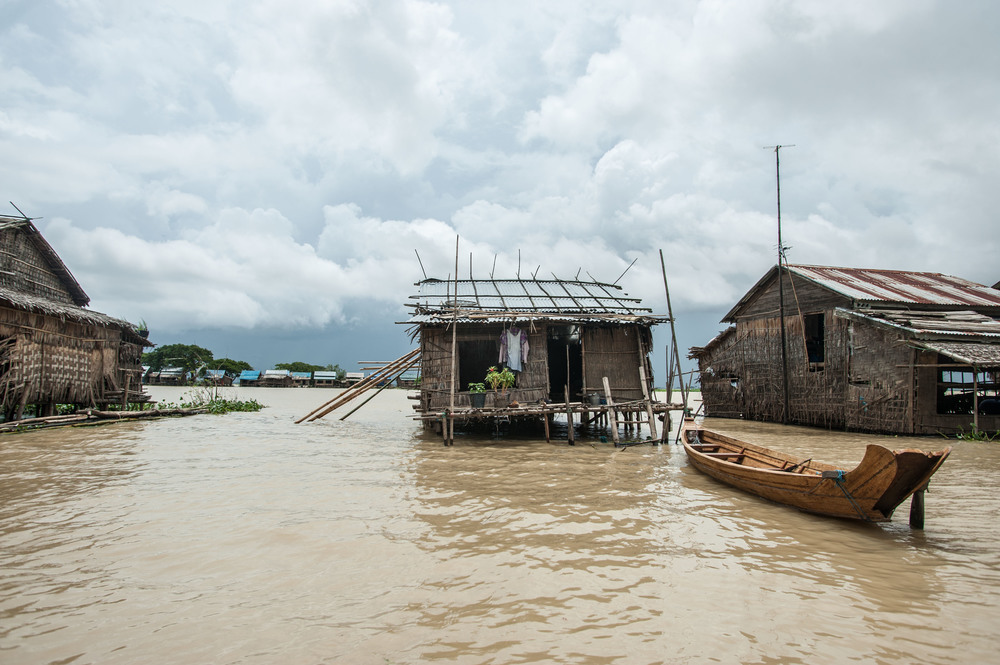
(917, 509)
(611, 410)
(548, 439)
(570, 434)
(649, 403)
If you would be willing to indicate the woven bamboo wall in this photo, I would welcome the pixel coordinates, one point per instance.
(611, 351)
(880, 382)
(24, 269)
(746, 374)
(435, 365)
(615, 352)
(865, 382)
(47, 360)
(720, 372)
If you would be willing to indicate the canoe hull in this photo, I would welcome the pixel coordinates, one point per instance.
(870, 492)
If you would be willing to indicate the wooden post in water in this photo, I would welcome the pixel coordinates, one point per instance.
(570, 434)
(450, 433)
(611, 410)
(917, 509)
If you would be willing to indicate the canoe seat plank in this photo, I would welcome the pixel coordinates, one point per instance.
(730, 456)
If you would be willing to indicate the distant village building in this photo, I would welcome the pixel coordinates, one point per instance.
(867, 350)
(53, 350)
(302, 379)
(249, 378)
(168, 376)
(217, 377)
(563, 339)
(275, 378)
(326, 379)
(353, 377)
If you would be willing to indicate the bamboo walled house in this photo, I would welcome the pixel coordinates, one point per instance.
(563, 340)
(52, 349)
(867, 350)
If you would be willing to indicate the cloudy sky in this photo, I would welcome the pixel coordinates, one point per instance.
(255, 177)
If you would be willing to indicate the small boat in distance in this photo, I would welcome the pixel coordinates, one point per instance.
(870, 492)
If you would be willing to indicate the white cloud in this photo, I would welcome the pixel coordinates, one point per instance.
(282, 161)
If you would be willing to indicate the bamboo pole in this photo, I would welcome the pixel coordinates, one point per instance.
(649, 404)
(351, 393)
(611, 410)
(673, 333)
(450, 436)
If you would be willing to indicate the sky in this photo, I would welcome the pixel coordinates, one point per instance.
(265, 178)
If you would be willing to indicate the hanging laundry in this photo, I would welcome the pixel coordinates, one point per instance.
(514, 348)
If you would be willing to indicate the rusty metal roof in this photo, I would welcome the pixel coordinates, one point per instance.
(960, 325)
(900, 286)
(972, 353)
(488, 299)
(866, 287)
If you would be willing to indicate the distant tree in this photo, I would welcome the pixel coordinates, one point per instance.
(299, 366)
(230, 366)
(190, 357)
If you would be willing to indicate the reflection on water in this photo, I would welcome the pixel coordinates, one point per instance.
(247, 538)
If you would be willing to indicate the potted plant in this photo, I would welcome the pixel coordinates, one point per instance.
(477, 395)
(501, 380)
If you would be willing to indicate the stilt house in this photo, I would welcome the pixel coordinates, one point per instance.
(53, 350)
(866, 350)
(563, 339)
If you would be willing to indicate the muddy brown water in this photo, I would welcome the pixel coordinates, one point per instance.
(248, 539)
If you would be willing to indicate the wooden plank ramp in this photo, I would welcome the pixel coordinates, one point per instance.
(383, 375)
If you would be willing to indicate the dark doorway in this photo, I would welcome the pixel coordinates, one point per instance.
(565, 363)
(474, 358)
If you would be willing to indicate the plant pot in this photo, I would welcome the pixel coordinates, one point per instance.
(477, 400)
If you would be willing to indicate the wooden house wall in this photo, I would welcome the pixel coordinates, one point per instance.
(800, 295)
(742, 375)
(721, 370)
(24, 269)
(435, 365)
(880, 381)
(611, 351)
(615, 352)
(48, 360)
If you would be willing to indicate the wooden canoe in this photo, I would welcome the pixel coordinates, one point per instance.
(871, 491)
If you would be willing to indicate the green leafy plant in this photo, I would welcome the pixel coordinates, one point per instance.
(976, 434)
(500, 380)
(477, 388)
(213, 402)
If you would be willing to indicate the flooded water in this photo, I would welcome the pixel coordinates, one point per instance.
(246, 538)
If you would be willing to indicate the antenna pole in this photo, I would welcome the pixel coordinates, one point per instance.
(781, 288)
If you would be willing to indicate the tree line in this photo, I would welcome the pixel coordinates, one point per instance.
(196, 360)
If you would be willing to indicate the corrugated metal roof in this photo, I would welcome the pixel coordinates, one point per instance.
(900, 286)
(474, 298)
(961, 324)
(249, 375)
(980, 355)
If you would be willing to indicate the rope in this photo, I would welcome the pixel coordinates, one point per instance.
(839, 480)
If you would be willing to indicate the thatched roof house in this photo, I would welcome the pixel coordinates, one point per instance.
(558, 336)
(52, 349)
(870, 350)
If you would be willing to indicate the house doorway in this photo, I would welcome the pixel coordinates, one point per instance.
(565, 360)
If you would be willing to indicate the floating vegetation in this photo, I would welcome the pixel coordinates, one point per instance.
(211, 400)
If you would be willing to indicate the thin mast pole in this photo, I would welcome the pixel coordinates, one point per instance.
(781, 292)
